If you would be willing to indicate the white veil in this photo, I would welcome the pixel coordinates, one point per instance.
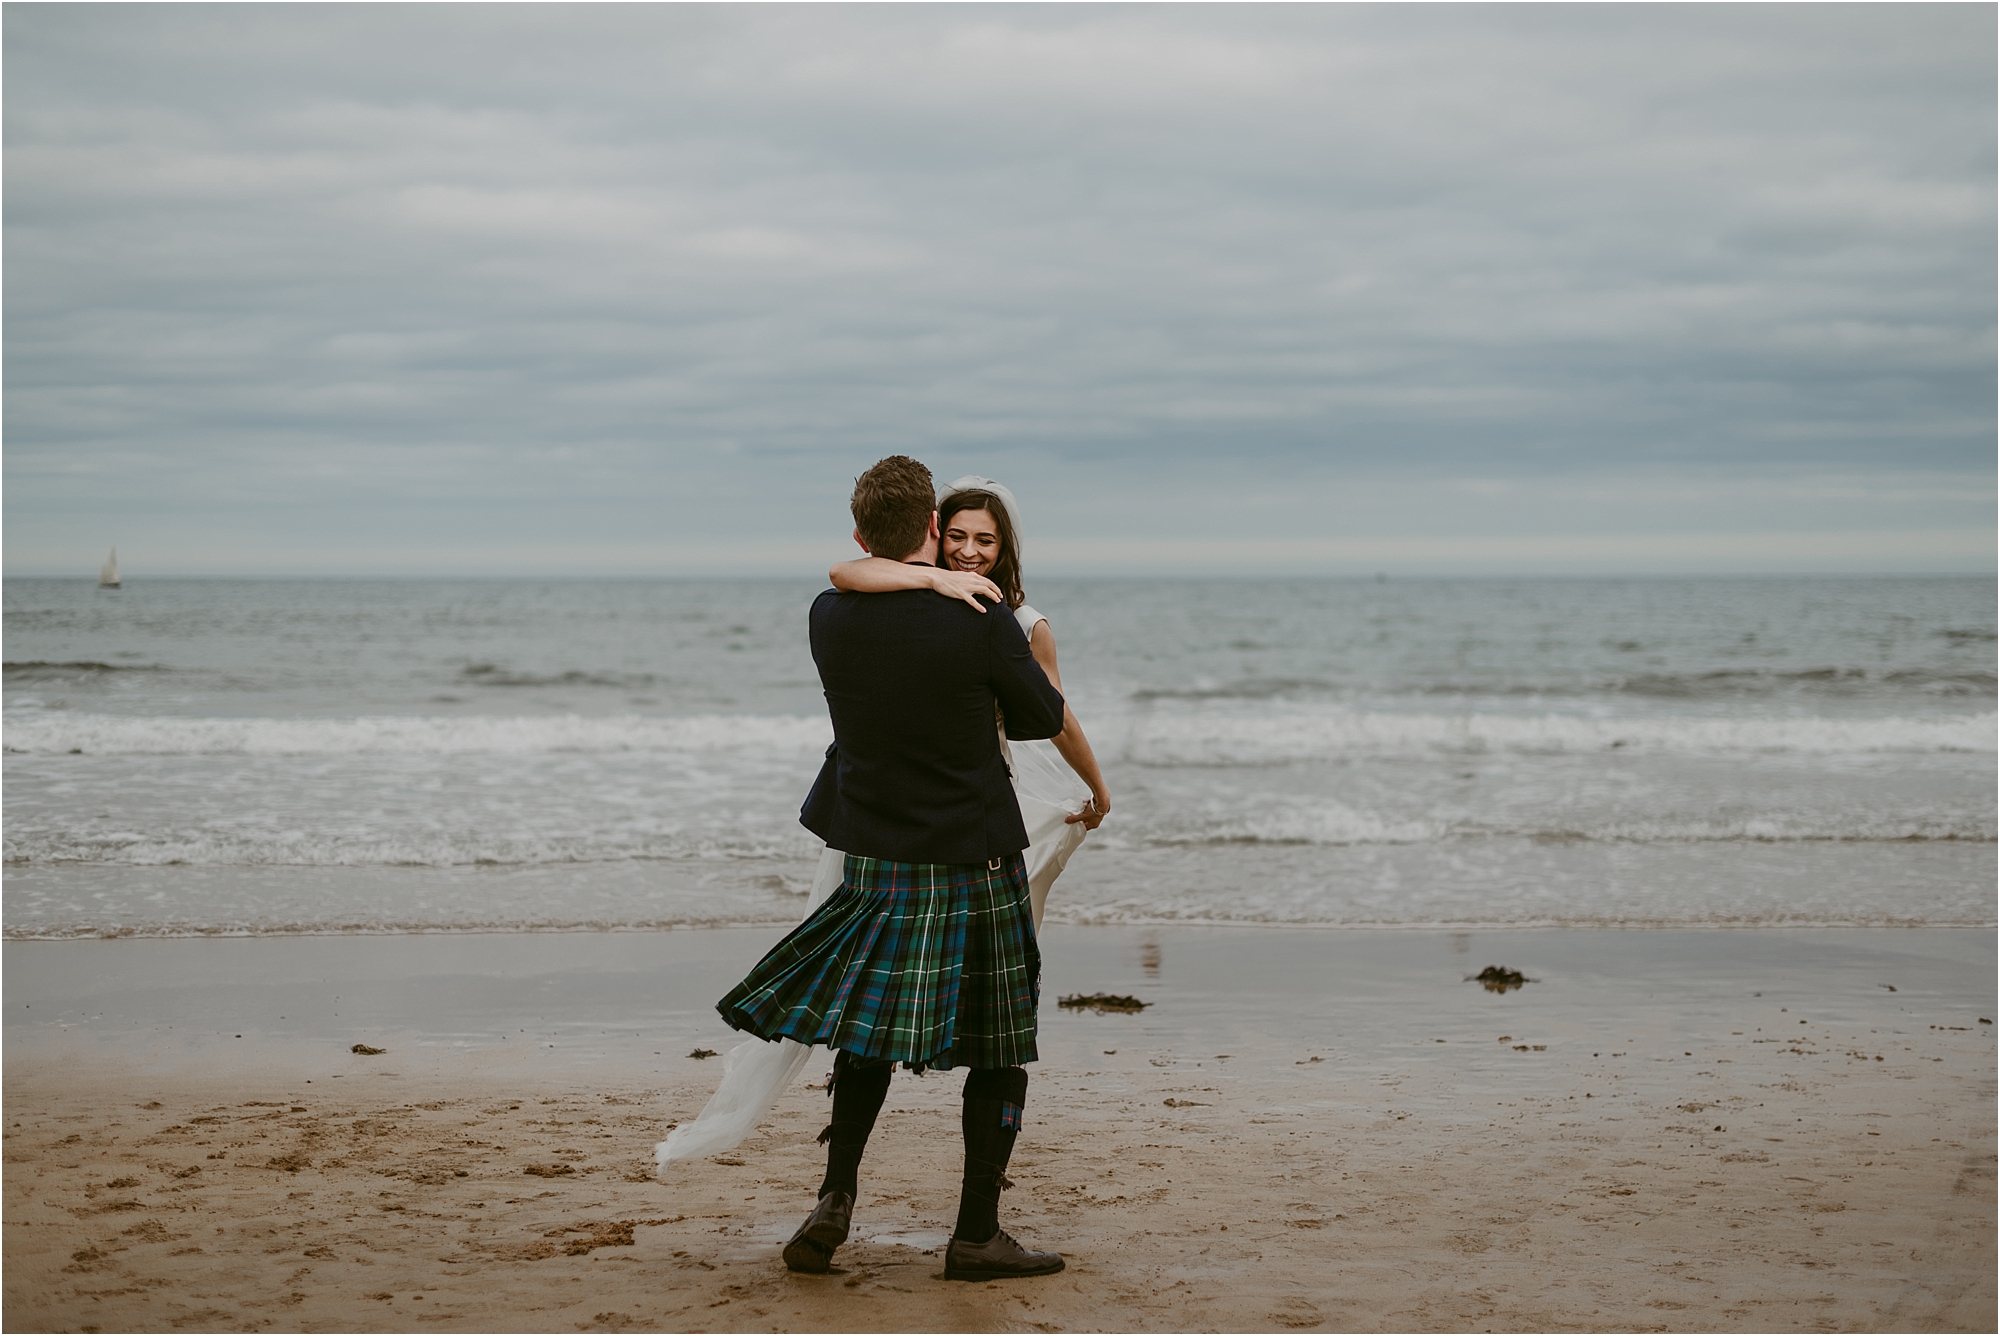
(972, 482)
(754, 1072)
(757, 1070)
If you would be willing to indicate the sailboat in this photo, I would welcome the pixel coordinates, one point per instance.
(108, 577)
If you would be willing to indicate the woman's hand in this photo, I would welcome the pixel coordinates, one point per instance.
(1093, 813)
(968, 585)
(1071, 744)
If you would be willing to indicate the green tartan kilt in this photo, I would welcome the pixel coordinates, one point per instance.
(931, 964)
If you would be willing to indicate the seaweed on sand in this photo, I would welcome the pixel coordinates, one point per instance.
(1101, 1002)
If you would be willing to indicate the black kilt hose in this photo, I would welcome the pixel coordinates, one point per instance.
(931, 964)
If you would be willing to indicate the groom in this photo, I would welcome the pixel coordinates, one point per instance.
(926, 955)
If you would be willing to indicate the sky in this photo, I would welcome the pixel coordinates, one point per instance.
(631, 289)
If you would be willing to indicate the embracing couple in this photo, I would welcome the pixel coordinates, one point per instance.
(925, 952)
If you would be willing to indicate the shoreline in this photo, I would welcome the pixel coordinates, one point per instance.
(782, 925)
(1510, 883)
(1664, 1130)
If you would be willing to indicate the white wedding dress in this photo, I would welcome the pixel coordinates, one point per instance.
(756, 1070)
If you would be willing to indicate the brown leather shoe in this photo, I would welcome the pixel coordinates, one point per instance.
(811, 1249)
(999, 1258)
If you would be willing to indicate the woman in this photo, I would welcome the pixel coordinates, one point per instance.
(979, 531)
(979, 527)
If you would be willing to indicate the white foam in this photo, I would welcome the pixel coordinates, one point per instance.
(1299, 823)
(1336, 828)
(60, 732)
(777, 838)
(212, 848)
(1268, 737)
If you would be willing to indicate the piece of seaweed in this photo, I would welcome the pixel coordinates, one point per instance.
(1102, 1002)
(1498, 978)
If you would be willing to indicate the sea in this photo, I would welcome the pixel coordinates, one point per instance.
(194, 757)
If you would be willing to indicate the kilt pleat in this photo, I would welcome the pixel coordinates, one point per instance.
(932, 964)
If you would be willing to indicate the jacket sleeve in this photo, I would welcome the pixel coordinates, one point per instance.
(1031, 705)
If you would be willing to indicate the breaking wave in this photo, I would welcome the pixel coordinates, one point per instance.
(1268, 736)
(1720, 685)
(775, 835)
(62, 732)
(29, 670)
(1341, 828)
(295, 848)
(1277, 738)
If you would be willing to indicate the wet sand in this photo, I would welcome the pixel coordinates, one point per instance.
(1667, 1130)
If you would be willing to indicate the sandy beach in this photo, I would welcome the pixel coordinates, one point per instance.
(1666, 1130)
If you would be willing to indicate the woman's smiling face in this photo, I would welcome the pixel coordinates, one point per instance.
(971, 542)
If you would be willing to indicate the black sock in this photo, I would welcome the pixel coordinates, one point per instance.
(991, 1119)
(859, 1087)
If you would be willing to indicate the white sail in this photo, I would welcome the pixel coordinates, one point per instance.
(108, 577)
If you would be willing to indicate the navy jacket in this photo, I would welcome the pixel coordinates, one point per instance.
(915, 772)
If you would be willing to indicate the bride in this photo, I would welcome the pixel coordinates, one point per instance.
(979, 525)
(979, 549)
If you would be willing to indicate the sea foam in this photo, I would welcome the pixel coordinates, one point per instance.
(1246, 737)
(62, 732)
(1275, 737)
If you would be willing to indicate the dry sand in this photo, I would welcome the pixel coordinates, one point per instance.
(1627, 1163)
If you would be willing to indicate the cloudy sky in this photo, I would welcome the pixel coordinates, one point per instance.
(526, 289)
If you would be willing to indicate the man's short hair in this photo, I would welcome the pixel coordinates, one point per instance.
(892, 507)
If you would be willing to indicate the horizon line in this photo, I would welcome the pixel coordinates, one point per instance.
(1364, 577)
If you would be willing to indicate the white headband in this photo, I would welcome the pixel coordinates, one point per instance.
(972, 482)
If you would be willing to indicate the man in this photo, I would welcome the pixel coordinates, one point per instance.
(926, 955)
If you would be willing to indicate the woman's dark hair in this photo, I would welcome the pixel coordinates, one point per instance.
(1006, 570)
